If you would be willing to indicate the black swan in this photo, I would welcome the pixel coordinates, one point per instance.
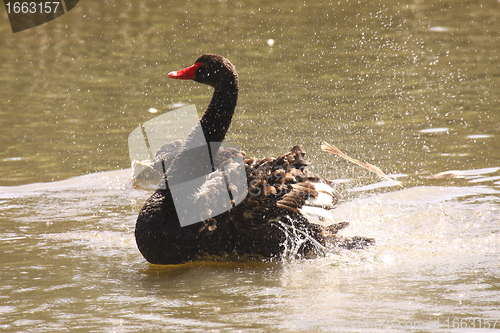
(276, 217)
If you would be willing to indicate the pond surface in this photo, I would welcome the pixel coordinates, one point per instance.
(411, 87)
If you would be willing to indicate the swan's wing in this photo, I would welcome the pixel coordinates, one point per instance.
(282, 186)
(311, 200)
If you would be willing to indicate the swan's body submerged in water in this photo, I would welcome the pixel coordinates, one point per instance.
(277, 214)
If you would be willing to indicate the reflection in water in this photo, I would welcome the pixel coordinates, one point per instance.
(409, 87)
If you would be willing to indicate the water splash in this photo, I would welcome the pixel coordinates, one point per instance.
(295, 239)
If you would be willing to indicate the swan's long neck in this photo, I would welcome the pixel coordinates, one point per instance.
(217, 117)
(214, 124)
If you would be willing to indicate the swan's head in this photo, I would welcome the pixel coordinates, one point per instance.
(211, 69)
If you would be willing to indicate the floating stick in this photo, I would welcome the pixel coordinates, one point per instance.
(335, 151)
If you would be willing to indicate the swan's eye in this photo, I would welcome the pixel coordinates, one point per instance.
(202, 69)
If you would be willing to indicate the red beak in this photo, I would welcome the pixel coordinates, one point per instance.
(188, 73)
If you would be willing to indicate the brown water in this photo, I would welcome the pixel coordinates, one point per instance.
(411, 87)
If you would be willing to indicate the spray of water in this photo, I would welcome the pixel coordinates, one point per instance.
(295, 239)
